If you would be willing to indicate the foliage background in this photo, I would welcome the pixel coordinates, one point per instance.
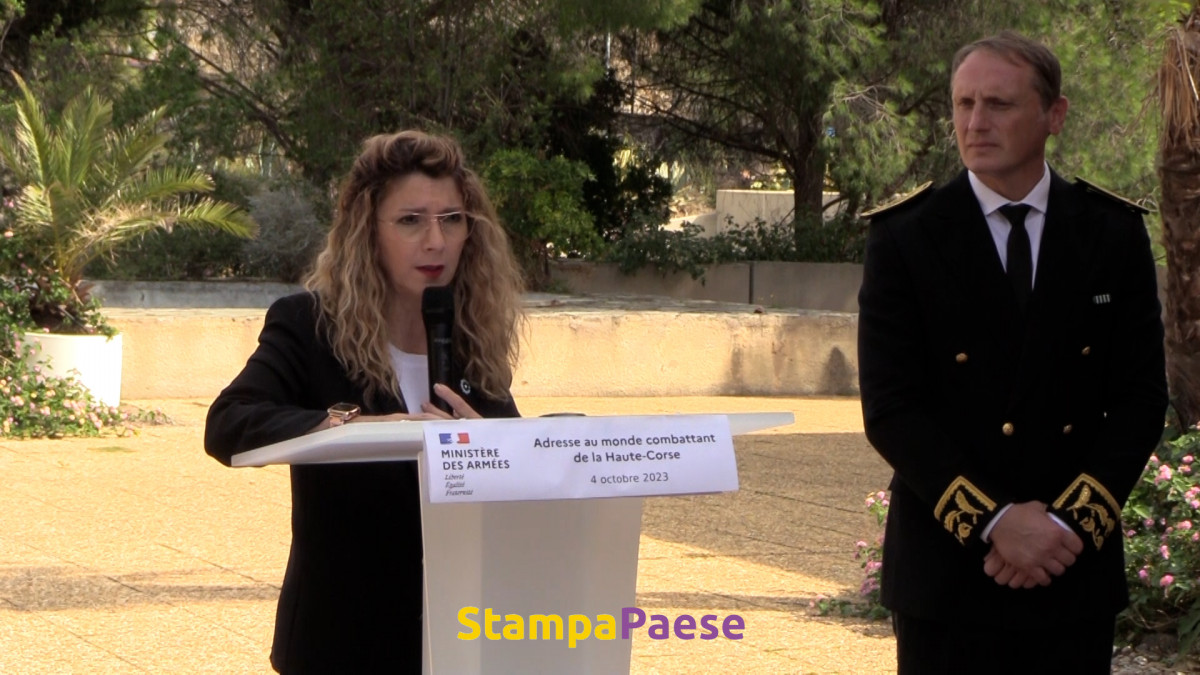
(847, 96)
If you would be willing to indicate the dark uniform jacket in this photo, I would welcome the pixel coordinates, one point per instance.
(352, 595)
(976, 406)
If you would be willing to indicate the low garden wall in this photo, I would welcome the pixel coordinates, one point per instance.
(785, 329)
(613, 348)
(831, 287)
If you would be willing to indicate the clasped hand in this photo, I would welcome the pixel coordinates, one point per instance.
(1028, 548)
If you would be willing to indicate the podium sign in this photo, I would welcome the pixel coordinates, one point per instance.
(588, 457)
(543, 555)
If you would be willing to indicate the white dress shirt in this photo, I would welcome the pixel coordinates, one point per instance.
(413, 372)
(1035, 222)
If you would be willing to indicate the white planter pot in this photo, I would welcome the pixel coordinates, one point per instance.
(94, 360)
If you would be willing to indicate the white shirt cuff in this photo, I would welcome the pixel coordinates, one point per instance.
(1060, 522)
(987, 531)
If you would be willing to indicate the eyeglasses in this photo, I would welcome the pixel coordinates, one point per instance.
(413, 225)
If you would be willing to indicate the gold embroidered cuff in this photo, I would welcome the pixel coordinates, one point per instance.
(960, 507)
(1091, 506)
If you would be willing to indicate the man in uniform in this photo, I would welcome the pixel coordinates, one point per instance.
(1011, 368)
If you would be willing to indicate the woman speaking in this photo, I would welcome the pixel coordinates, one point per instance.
(410, 216)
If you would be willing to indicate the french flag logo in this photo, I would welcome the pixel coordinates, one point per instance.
(452, 439)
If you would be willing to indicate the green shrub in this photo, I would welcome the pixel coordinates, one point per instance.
(869, 604)
(186, 254)
(1162, 543)
(541, 203)
(174, 256)
(684, 250)
(33, 403)
(87, 186)
(290, 234)
(623, 188)
(625, 194)
(841, 239)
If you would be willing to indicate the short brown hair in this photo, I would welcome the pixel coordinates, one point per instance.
(1014, 47)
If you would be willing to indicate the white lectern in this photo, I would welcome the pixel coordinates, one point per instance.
(553, 557)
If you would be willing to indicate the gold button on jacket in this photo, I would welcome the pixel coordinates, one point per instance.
(1087, 350)
(1008, 429)
(961, 357)
(1067, 429)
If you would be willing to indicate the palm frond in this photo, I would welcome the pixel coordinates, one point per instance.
(11, 154)
(210, 214)
(88, 187)
(108, 230)
(66, 207)
(117, 225)
(33, 137)
(85, 123)
(33, 209)
(132, 149)
(161, 184)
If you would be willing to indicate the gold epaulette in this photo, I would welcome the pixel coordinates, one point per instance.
(1096, 189)
(960, 507)
(1092, 507)
(898, 200)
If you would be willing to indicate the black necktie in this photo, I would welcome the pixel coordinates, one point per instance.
(1020, 256)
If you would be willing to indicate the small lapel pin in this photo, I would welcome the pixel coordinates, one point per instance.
(1102, 299)
(464, 386)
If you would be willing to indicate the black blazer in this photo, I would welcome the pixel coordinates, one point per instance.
(352, 594)
(975, 406)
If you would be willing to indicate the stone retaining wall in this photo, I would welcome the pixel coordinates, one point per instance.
(612, 347)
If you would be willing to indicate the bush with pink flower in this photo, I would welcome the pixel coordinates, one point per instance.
(33, 403)
(870, 556)
(1162, 543)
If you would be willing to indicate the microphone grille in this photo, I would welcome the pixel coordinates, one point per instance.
(437, 300)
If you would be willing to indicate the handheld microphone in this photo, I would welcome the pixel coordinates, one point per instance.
(437, 309)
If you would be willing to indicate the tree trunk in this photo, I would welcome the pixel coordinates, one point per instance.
(808, 177)
(1179, 174)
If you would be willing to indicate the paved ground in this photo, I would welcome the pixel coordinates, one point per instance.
(141, 554)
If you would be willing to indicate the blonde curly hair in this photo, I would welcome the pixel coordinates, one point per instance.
(352, 288)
